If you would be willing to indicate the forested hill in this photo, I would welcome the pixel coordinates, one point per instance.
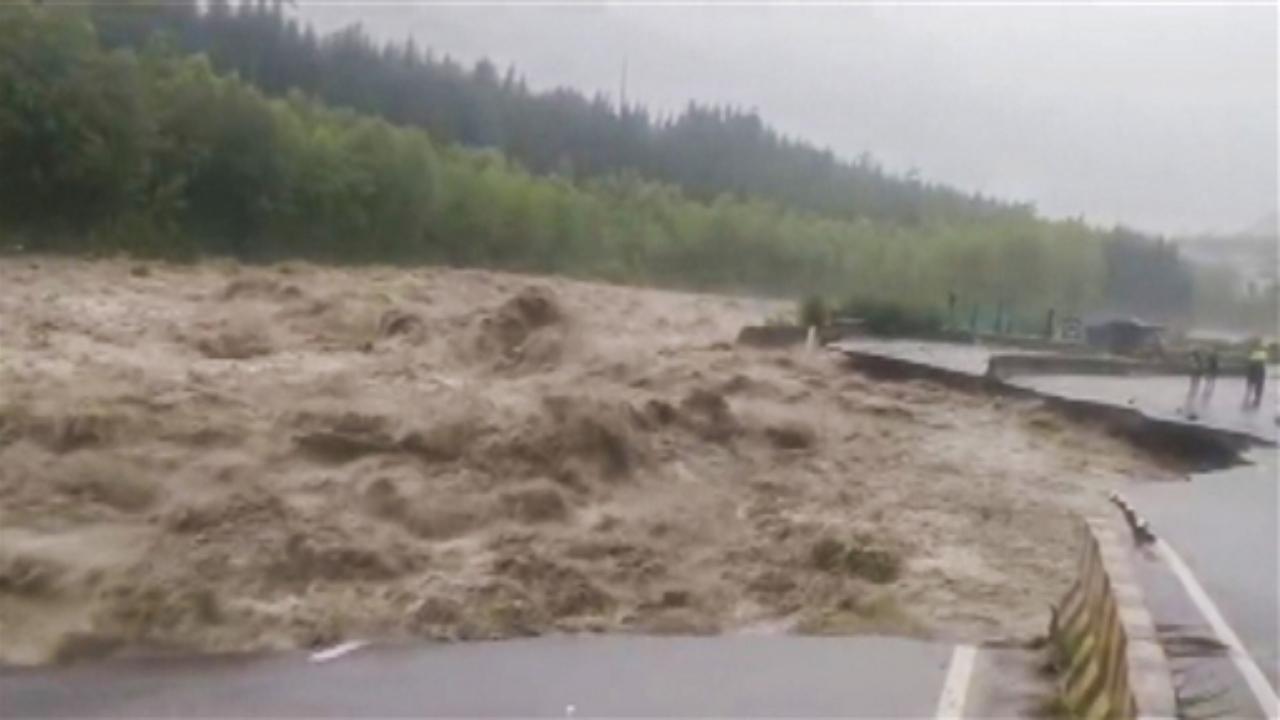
(118, 133)
(707, 151)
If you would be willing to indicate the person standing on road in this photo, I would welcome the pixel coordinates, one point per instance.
(1255, 377)
(1197, 370)
(1210, 376)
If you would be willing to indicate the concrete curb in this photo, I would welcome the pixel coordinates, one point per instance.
(1109, 659)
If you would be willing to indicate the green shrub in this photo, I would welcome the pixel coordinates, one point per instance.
(814, 311)
(894, 319)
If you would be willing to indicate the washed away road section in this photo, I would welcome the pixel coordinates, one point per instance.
(1222, 524)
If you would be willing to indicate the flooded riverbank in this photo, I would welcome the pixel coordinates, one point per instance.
(219, 458)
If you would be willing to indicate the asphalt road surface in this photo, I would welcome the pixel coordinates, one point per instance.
(1167, 396)
(1163, 396)
(1224, 526)
(743, 676)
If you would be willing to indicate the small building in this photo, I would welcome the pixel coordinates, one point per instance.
(1123, 335)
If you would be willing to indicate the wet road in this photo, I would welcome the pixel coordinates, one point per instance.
(1224, 525)
(1164, 396)
(743, 676)
(1167, 396)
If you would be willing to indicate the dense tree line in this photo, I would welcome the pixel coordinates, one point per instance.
(707, 151)
(1145, 277)
(155, 153)
(115, 137)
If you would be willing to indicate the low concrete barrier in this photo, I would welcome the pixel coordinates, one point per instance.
(1109, 661)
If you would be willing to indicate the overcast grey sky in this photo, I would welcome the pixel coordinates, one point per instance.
(1159, 117)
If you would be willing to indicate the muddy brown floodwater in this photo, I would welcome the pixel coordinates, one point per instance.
(218, 458)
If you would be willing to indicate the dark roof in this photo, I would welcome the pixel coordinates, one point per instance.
(1099, 319)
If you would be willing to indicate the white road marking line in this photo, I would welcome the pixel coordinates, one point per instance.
(336, 651)
(1257, 681)
(956, 687)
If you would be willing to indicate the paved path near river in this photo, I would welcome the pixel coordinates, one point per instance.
(743, 676)
(1223, 523)
(1162, 396)
(1224, 526)
(1166, 396)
